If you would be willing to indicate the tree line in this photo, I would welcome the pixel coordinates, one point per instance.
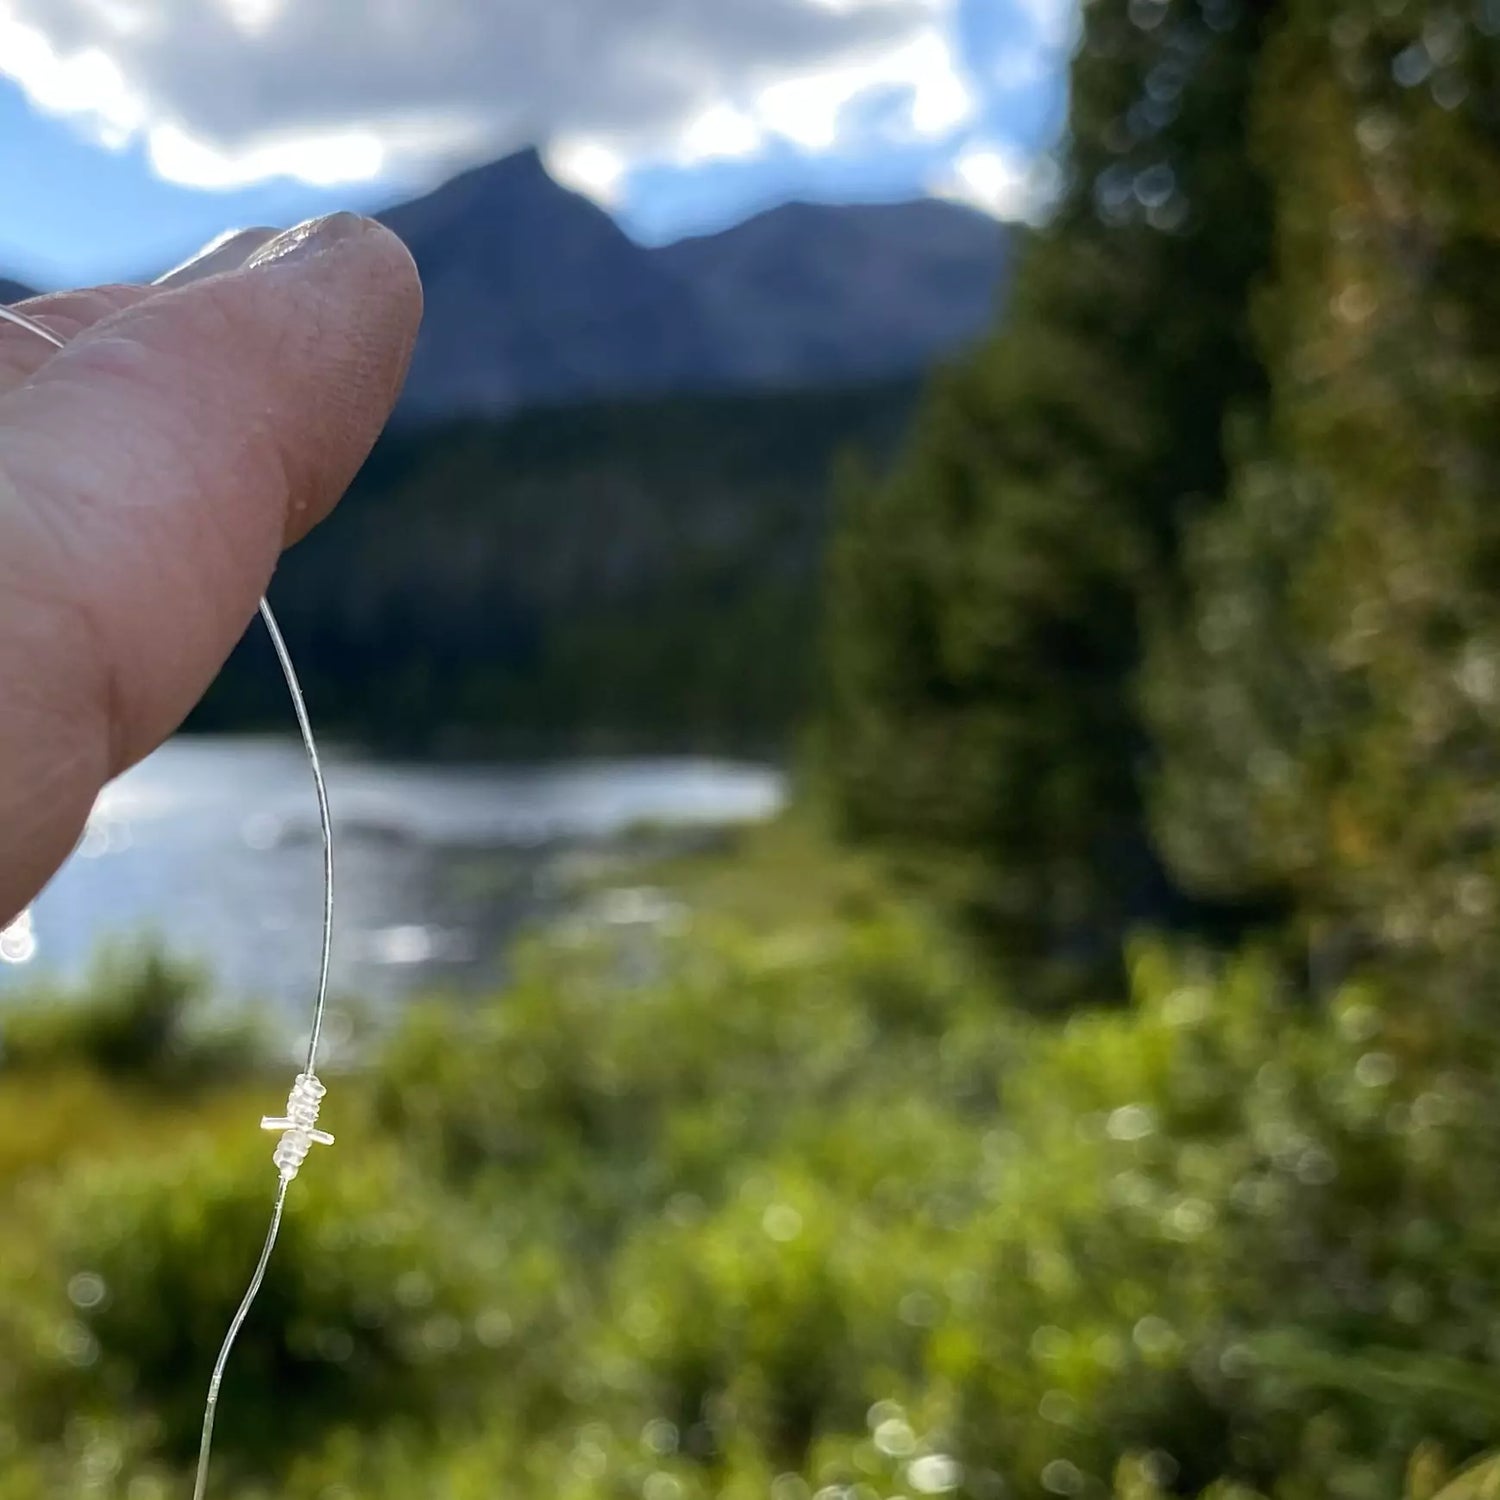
(1180, 607)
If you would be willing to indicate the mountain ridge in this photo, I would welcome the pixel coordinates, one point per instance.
(857, 291)
(536, 296)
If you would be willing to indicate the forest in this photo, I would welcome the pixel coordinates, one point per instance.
(634, 577)
(1088, 1089)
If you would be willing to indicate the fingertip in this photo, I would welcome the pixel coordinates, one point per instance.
(346, 284)
(226, 252)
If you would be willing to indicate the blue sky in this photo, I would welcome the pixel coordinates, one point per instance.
(130, 132)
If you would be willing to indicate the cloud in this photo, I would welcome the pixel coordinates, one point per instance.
(808, 108)
(223, 93)
(995, 180)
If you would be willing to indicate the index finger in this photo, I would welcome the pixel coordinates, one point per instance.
(149, 475)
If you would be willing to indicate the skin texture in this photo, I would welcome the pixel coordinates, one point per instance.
(150, 475)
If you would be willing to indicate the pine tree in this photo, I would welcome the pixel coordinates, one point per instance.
(985, 602)
(1331, 722)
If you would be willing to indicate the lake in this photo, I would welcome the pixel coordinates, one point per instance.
(211, 845)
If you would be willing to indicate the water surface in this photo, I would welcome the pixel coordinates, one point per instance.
(211, 845)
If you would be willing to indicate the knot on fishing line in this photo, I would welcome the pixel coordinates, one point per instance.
(299, 1126)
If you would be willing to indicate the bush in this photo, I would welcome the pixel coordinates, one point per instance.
(588, 1091)
(1216, 1229)
(137, 1015)
(377, 1308)
(807, 1214)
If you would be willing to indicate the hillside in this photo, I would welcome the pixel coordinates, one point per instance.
(809, 292)
(536, 296)
(628, 576)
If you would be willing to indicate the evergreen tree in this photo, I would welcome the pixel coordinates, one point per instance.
(1331, 723)
(984, 621)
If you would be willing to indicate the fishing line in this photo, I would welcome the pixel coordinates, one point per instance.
(298, 1127)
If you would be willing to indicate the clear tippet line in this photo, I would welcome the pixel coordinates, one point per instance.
(10, 315)
(325, 825)
(211, 1406)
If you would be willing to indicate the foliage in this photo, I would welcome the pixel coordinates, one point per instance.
(1329, 719)
(793, 1214)
(136, 1016)
(985, 603)
(634, 576)
(372, 1312)
(815, 1206)
(644, 1087)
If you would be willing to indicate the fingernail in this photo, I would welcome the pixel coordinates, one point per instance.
(226, 252)
(309, 239)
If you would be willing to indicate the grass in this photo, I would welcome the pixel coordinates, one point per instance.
(805, 1207)
(783, 873)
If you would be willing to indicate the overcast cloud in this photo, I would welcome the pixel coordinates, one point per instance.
(227, 92)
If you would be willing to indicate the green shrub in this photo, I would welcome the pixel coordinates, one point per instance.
(603, 1097)
(1051, 1247)
(137, 1014)
(806, 1214)
(379, 1306)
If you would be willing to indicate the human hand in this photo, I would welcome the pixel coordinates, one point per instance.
(150, 474)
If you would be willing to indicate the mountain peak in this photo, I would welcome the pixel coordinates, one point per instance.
(535, 295)
(525, 168)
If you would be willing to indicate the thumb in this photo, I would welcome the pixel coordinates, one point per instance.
(149, 475)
